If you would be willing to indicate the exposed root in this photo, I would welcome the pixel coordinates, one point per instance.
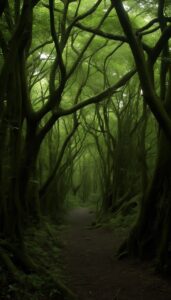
(8, 264)
(19, 256)
(20, 265)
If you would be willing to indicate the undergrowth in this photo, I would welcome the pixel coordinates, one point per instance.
(122, 218)
(120, 221)
(44, 246)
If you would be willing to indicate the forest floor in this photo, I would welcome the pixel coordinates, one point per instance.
(93, 271)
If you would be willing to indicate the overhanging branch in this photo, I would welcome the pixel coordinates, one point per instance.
(98, 98)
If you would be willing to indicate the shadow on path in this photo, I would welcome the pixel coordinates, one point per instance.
(92, 270)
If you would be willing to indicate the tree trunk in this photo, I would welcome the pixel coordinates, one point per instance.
(150, 237)
(29, 184)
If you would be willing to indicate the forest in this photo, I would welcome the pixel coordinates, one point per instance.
(85, 149)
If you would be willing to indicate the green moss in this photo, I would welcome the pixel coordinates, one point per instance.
(43, 245)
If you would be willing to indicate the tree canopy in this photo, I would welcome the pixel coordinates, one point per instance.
(85, 115)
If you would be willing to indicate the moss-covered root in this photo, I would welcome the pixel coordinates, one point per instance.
(20, 266)
(64, 291)
(10, 266)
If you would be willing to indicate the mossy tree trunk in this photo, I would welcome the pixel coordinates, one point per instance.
(150, 237)
(12, 99)
(22, 128)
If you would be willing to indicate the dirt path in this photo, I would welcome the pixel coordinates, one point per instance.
(93, 272)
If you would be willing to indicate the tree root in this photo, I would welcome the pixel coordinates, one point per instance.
(11, 268)
(123, 250)
(19, 265)
(6, 260)
(19, 256)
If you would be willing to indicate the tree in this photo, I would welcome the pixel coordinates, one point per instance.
(36, 79)
(151, 235)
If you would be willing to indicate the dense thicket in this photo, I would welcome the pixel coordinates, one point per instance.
(84, 88)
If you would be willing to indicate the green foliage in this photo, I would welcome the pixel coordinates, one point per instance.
(57, 152)
(123, 219)
(44, 245)
(72, 201)
(92, 201)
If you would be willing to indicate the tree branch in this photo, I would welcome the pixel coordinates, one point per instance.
(45, 187)
(76, 63)
(110, 36)
(150, 96)
(160, 44)
(106, 35)
(98, 98)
